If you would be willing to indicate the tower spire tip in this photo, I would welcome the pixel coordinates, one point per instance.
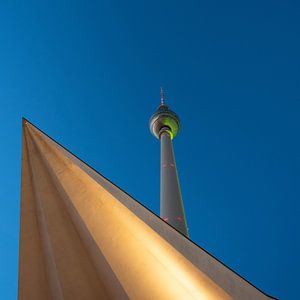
(162, 96)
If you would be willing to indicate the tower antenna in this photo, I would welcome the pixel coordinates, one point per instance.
(162, 96)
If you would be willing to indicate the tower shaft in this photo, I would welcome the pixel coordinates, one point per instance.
(171, 206)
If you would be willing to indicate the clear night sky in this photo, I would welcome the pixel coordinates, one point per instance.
(88, 73)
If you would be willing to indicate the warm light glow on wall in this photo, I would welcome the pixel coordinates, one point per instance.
(146, 265)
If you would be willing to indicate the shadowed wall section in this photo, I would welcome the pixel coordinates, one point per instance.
(82, 237)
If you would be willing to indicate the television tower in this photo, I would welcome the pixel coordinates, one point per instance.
(164, 125)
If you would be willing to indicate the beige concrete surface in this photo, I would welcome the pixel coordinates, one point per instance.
(81, 237)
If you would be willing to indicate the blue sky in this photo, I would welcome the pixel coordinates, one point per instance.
(88, 73)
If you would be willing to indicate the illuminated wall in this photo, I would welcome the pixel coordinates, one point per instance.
(82, 237)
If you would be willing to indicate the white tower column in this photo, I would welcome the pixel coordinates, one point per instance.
(171, 206)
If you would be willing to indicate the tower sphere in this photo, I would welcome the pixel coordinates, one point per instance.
(164, 118)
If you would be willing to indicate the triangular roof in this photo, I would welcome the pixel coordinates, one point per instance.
(82, 237)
